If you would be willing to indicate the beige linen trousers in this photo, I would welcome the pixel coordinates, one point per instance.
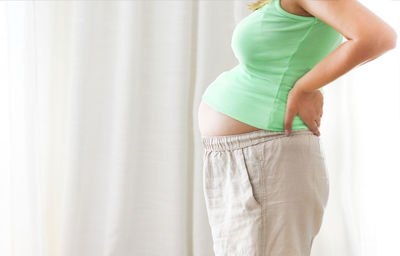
(265, 192)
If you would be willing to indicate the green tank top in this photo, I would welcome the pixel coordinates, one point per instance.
(274, 49)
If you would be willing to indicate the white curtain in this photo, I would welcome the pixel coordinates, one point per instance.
(100, 150)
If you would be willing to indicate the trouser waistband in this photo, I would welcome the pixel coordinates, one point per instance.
(235, 141)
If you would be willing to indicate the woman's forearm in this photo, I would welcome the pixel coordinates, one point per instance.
(350, 54)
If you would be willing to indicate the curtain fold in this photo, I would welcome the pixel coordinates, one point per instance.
(100, 148)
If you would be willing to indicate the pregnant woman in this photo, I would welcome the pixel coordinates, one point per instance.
(266, 190)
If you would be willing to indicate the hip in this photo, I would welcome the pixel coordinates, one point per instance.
(263, 190)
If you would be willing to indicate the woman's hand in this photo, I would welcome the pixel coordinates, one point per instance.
(308, 105)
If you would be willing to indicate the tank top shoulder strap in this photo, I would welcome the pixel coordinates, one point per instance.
(276, 4)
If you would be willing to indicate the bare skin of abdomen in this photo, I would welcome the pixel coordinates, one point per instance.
(215, 123)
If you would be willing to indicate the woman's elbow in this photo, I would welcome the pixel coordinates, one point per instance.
(388, 39)
(392, 39)
(377, 43)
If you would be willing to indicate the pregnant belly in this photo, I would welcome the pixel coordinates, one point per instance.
(214, 123)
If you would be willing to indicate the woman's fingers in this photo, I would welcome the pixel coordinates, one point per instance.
(308, 105)
(312, 124)
(318, 122)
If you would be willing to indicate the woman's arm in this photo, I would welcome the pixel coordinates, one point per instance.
(367, 36)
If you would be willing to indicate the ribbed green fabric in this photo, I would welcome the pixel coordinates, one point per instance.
(274, 49)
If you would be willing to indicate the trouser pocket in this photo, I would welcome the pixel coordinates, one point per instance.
(234, 213)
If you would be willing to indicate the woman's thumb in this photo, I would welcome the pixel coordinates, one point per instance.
(288, 121)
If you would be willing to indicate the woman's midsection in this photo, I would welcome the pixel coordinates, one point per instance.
(214, 123)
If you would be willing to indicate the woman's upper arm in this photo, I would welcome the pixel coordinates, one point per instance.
(353, 20)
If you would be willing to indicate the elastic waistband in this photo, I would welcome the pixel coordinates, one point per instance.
(241, 140)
